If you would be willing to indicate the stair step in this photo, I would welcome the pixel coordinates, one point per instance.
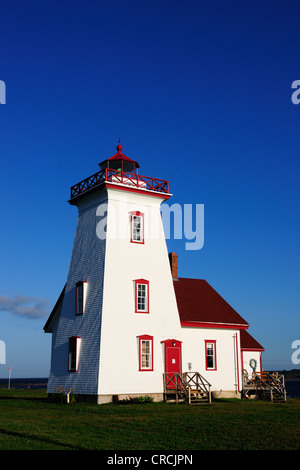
(180, 400)
(186, 388)
(200, 404)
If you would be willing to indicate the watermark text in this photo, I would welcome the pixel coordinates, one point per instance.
(2, 352)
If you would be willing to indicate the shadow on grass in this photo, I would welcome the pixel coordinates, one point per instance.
(21, 397)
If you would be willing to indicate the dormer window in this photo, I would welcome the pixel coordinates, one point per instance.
(81, 288)
(145, 353)
(74, 349)
(137, 227)
(141, 296)
(211, 360)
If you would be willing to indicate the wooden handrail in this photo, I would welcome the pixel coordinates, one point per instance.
(265, 381)
(119, 177)
(176, 380)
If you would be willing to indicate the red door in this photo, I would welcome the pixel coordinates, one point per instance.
(172, 361)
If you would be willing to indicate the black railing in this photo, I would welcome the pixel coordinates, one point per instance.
(186, 384)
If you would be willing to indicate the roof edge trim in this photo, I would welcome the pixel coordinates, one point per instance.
(253, 349)
(195, 324)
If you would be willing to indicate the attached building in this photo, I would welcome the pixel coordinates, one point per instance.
(124, 318)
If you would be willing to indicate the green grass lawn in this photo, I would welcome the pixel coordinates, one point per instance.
(29, 421)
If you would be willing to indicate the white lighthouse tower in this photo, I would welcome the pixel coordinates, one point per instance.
(115, 327)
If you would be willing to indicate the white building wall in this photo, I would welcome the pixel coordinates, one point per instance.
(247, 356)
(225, 377)
(103, 256)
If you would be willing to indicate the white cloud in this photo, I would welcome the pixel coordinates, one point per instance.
(29, 307)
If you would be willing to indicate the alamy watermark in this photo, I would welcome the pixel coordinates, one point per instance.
(2, 92)
(167, 221)
(296, 94)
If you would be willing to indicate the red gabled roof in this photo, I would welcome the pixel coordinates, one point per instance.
(199, 303)
(55, 312)
(248, 342)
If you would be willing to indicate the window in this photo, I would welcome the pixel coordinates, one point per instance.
(80, 297)
(210, 349)
(137, 227)
(141, 296)
(74, 347)
(145, 353)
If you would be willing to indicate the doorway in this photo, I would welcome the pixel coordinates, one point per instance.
(173, 360)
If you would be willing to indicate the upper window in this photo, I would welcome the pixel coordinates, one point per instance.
(74, 346)
(141, 296)
(145, 353)
(137, 227)
(80, 297)
(211, 360)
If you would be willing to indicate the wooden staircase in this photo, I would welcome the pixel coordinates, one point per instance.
(190, 388)
(265, 385)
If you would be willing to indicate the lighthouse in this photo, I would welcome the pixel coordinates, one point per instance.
(115, 327)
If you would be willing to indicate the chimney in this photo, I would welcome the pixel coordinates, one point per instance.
(173, 258)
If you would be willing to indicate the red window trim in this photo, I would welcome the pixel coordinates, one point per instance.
(80, 283)
(208, 341)
(145, 282)
(72, 339)
(260, 351)
(140, 191)
(172, 343)
(194, 324)
(139, 214)
(147, 338)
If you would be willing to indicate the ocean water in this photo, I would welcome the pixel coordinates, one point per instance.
(37, 383)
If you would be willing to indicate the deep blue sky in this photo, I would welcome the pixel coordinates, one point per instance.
(200, 94)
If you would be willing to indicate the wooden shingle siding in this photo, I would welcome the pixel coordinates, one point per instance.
(87, 262)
